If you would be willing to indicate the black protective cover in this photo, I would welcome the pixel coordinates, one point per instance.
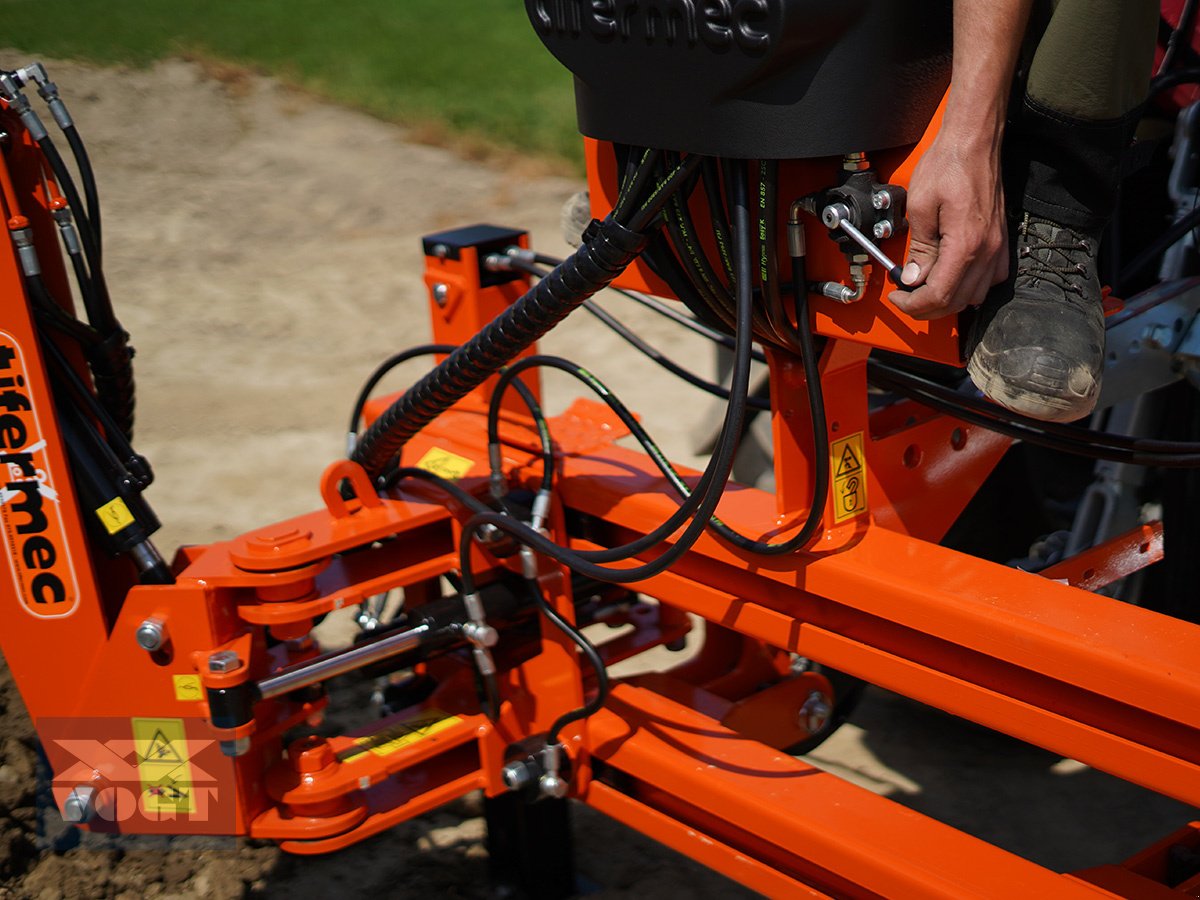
(775, 79)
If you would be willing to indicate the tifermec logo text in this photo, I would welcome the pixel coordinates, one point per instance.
(29, 505)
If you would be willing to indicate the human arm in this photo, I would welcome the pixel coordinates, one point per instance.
(957, 234)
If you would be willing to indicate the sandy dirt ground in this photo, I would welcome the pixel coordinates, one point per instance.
(263, 251)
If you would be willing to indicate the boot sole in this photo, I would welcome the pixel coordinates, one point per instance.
(1037, 405)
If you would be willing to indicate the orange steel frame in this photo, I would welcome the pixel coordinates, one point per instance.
(686, 756)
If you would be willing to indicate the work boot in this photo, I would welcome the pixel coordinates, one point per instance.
(1037, 345)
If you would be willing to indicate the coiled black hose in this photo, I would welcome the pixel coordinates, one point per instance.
(607, 251)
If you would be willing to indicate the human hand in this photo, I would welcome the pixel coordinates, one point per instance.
(958, 243)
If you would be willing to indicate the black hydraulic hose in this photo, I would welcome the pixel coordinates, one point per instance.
(91, 303)
(539, 421)
(682, 229)
(717, 471)
(466, 499)
(666, 310)
(661, 259)
(820, 434)
(84, 164)
(663, 192)
(768, 190)
(1065, 438)
(816, 400)
(111, 359)
(711, 177)
(54, 315)
(653, 353)
(1181, 34)
(634, 187)
(648, 350)
(691, 498)
(1173, 79)
(589, 650)
(1158, 247)
(66, 183)
(608, 250)
(378, 375)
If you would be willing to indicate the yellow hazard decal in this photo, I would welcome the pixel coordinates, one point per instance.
(848, 464)
(448, 465)
(115, 516)
(162, 761)
(187, 687)
(410, 731)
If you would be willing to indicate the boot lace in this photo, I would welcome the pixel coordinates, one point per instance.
(1062, 262)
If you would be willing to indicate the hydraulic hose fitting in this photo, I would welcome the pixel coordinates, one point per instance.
(552, 784)
(10, 91)
(498, 262)
(496, 482)
(66, 228)
(795, 231)
(842, 293)
(529, 564)
(541, 508)
(521, 255)
(22, 237)
(481, 636)
(35, 73)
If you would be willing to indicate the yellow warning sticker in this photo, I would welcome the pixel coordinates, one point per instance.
(162, 761)
(448, 465)
(410, 731)
(115, 515)
(187, 687)
(848, 463)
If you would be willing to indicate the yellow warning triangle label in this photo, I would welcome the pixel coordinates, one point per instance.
(161, 750)
(849, 462)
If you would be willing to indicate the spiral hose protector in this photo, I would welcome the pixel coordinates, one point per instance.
(607, 249)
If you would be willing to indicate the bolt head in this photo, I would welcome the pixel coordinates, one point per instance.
(882, 230)
(80, 805)
(224, 661)
(441, 293)
(151, 635)
(516, 775)
(815, 712)
(881, 200)
(441, 251)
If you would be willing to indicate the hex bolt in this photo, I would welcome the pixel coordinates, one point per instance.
(152, 634)
(224, 661)
(815, 712)
(516, 775)
(441, 293)
(881, 200)
(80, 806)
(882, 230)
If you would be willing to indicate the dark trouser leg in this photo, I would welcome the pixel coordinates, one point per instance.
(1085, 73)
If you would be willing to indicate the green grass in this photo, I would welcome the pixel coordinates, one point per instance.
(475, 66)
